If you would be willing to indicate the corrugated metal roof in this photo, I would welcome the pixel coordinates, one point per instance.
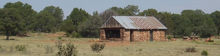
(126, 22)
(138, 22)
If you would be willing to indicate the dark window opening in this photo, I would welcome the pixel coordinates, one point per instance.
(112, 34)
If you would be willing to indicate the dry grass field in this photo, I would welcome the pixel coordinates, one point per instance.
(37, 45)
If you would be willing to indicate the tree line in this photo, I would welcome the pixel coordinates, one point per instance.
(18, 18)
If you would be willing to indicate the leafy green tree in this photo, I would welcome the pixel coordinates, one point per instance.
(118, 10)
(149, 12)
(130, 10)
(202, 24)
(208, 28)
(57, 13)
(44, 22)
(168, 22)
(25, 10)
(196, 16)
(48, 20)
(91, 27)
(182, 25)
(107, 14)
(216, 18)
(76, 17)
(11, 22)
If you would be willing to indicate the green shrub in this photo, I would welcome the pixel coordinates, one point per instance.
(76, 35)
(191, 49)
(97, 47)
(59, 38)
(210, 40)
(169, 37)
(0, 46)
(20, 47)
(2, 49)
(66, 50)
(204, 53)
(140, 50)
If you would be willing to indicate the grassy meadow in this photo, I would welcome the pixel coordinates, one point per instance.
(38, 45)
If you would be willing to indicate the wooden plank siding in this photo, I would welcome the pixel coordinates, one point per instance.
(112, 23)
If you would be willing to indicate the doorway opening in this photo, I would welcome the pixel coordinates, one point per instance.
(151, 36)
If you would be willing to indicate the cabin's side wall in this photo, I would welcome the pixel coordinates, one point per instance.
(159, 35)
(141, 36)
(102, 34)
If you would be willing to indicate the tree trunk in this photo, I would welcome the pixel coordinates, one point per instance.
(7, 34)
(7, 37)
(218, 31)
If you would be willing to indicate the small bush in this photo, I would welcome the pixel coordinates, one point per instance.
(0, 46)
(191, 49)
(169, 37)
(204, 53)
(59, 38)
(76, 35)
(140, 50)
(66, 50)
(20, 47)
(97, 47)
(2, 49)
(210, 40)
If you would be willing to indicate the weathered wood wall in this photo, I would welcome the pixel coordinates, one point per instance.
(112, 23)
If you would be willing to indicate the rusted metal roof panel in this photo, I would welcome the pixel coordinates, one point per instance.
(126, 22)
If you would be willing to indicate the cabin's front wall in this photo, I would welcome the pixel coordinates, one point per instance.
(159, 35)
(137, 35)
(140, 36)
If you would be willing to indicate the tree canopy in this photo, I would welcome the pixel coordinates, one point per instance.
(11, 21)
(19, 17)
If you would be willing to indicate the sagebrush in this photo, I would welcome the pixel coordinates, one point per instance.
(97, 47)
(191, 49)
(66, 50)
(20, 47)
(204, 53)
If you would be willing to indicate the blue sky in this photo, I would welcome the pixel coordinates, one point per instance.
(173, 6)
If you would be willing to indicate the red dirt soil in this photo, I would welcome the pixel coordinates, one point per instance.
(107, 43)
(58, 34)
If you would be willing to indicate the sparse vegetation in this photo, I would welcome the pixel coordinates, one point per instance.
(20, 47)
(49, 49)
(97, 47)
(204, 53)
(210, 40)
(169, 37)
(66, 50)
(37, 46)
(190, 49)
